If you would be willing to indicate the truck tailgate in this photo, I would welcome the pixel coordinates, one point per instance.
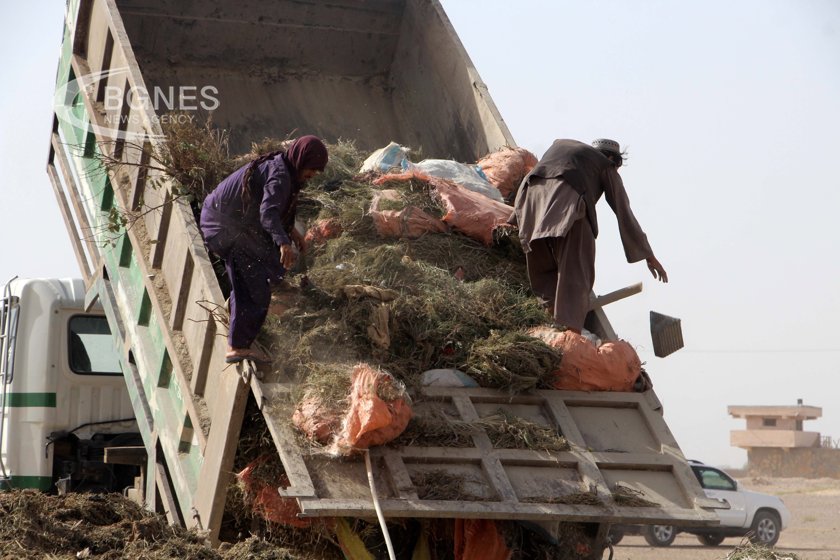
(616, 440)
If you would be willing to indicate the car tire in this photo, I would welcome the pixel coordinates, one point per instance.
(766, 528)
(710, 539)
(660, 535)
(616, 535)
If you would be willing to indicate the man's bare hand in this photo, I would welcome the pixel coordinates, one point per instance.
(656, 269)
(287, 256)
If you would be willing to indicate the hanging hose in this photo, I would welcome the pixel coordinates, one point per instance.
(379, 515)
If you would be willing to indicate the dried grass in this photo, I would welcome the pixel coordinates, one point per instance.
(577, 499)
(436, 429)
(749, 551)
(108, 526)
(507, 431)
(442, 485)
(630, 497)
(513, 361)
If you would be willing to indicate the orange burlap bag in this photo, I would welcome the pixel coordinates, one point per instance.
(322, 230)
(379, 411)
(467, 212)
(410, 222)
(317, 421)
(479, 539)
(612, 366)
(266, 501)
(506, 168)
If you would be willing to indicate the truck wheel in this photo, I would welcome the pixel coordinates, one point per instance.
(766, 528)
(660, 535)
(616, 535)
(710, 539)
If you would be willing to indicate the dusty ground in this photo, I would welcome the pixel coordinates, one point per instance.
(812, 535)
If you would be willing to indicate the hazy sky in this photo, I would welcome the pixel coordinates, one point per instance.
(731, 113)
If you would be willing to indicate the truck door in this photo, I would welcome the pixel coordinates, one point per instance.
(719, 486)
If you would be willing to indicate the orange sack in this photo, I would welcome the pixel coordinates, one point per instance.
(266, 501)
(317, 420)
(479, 539)
(379, 411)
(506, 168)
(329, 228)
(410, 222)
(612, 366)
(468, 212)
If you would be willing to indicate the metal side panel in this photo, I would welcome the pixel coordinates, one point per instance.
(197, 431)
(617, 441)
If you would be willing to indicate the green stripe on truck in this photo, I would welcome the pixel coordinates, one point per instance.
(20, 482)
(21, 400)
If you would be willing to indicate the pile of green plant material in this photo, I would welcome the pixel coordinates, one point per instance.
(110, 527)
(443, 300)
(455, 302)
(748, 551)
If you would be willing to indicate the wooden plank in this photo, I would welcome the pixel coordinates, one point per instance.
(162, 232)
(209, 499)
(520, 457)
(140, 172)
(202, 369)
(490, 463)
(69, 223)
(149, 475)
(480, 394)
(580, 398)
(612, 297)
(665, 516)
(182, 296)
(398, 474)
(148, 274)
(164, 489)
(640, 461)
(588, 469)
(565, 422)
(300, 483)
(457, 509)
(76, 198)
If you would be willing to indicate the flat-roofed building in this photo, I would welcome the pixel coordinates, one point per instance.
(778, 445)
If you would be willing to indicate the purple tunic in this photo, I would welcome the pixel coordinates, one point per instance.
(248, 240)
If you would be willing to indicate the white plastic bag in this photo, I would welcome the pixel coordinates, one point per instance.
(385, 159)
(468, 176)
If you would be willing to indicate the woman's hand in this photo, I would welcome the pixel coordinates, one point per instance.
(287, 256)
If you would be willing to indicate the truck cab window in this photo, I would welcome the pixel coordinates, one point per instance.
(90, 346)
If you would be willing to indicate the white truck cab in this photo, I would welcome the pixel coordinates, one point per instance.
(62, 394)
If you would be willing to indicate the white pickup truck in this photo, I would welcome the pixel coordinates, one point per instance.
(761, 517)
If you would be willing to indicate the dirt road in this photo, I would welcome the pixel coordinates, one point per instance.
(814, 533)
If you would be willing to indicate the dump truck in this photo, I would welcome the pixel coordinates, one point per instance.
(374, 71)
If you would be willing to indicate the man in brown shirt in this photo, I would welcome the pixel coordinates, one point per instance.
(555, 213)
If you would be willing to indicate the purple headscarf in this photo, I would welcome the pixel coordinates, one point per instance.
(307, 152)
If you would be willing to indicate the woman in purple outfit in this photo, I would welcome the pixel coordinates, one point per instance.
(248, 220)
